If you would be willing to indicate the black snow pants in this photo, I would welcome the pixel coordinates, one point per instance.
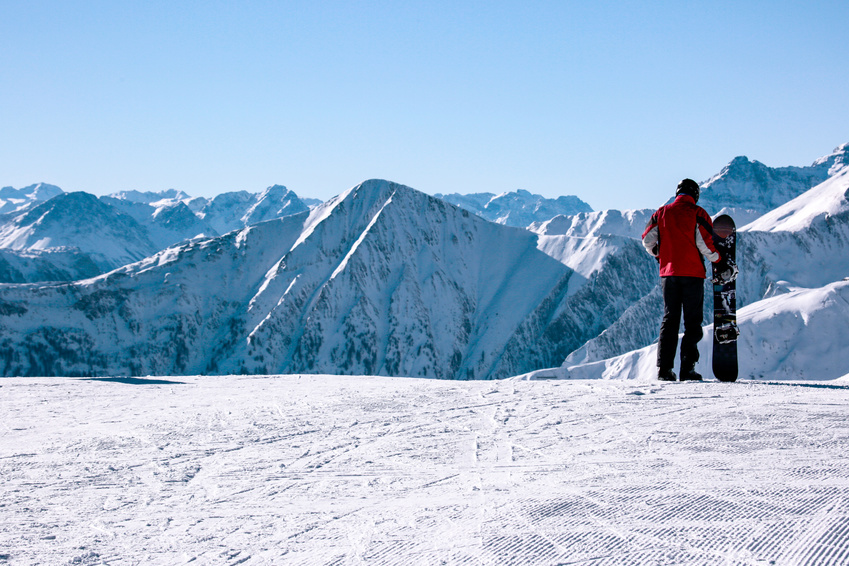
(680, 294)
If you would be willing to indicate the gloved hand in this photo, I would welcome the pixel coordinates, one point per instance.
(725, 270)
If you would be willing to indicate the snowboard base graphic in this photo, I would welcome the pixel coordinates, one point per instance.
(725, 330)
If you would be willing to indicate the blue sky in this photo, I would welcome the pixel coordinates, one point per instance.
(614, 102)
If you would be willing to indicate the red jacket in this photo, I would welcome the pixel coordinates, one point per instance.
(678, 235)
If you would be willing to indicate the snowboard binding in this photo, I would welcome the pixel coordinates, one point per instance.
(726, 333)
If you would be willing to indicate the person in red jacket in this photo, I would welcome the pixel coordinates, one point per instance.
(678, 235)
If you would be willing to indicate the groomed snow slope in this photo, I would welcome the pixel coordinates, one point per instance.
(346, 470)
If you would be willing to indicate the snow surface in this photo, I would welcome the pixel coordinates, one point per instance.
(363, 470)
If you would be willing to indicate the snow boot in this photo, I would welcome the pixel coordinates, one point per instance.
(690, 375)
(666, 375)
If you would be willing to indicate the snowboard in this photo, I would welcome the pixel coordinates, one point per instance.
(725, 330)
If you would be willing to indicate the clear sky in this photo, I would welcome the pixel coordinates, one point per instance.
(614, 102)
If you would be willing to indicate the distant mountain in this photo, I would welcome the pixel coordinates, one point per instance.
(81, 223)
(519, 208)
(58, 240)
(150, 197)
(748, 189)
(14, 200)
(173, 216)
(628, 223)
(233, 211)
(311, 202)
(165, 222)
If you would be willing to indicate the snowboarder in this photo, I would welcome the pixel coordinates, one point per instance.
(678, 235)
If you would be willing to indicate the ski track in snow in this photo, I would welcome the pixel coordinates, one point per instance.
(362, 470)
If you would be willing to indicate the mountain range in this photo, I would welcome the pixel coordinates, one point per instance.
(381, 279)
(50, 235)
(517, 208)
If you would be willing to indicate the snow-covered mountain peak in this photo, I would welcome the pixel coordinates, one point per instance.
(517, 208)
(826, 200)
(13, 200)
(274, 191)
(150, 197)
(386, 279)
(63, 208)
(375, 189)
(235, 210)
(82, 222)
(42, 191)
(746, 189)
(836, 160)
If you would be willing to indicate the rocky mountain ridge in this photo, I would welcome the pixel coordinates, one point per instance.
(384, 280)
(516, 208)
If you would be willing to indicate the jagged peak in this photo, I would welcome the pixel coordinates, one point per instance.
(172, 210)
(377, 190)
(37, 191)
(741, 164)
(276, 191)
(79, 205)
(739, 161)
(149, 197)
(836, 160)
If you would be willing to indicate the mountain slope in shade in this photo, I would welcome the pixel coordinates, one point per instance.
(177, 310)
(30, 266)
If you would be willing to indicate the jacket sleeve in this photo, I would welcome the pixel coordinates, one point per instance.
(651, 236)
(704, 237)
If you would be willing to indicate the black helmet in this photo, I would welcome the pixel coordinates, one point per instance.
(688, 187)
